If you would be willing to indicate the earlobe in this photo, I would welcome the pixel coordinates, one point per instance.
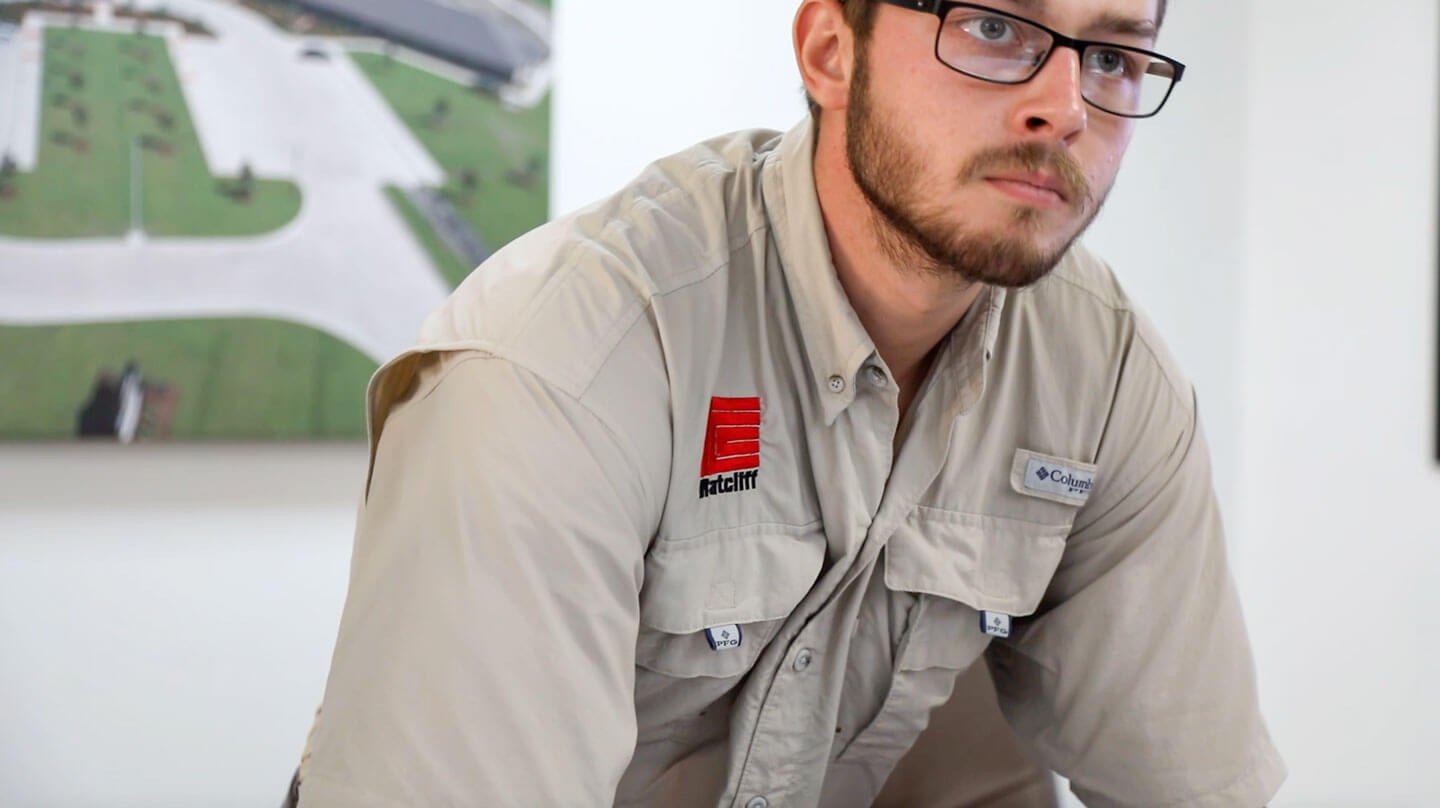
(823, 51)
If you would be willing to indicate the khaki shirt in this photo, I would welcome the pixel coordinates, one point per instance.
(635, 533)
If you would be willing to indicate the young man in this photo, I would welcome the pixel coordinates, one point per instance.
(708, 494)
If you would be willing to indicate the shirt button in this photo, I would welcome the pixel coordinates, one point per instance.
(837, 384)
(758, 802)
(877, 377)
(802, 659)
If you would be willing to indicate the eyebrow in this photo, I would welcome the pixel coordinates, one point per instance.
(1111, 23)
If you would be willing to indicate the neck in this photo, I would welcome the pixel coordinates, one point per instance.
(904, 305)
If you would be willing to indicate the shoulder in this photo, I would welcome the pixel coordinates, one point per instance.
(1090, 376)
(1081, 316)
(560, 299)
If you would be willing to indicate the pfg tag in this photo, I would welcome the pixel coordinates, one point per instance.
(723, 638)
(995, 624)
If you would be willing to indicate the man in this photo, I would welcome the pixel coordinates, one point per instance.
(708, 494)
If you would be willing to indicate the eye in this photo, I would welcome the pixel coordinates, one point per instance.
(1110, 62)
(996, 30)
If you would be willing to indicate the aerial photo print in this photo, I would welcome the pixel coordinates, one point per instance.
(217, 217)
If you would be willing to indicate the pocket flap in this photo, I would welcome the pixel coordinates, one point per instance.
(985, 562)
(740, 575)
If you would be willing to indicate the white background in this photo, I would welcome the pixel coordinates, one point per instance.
(167, 614)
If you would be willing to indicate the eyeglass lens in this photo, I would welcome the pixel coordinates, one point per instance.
(999, 48)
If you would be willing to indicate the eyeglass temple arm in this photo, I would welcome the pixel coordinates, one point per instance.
(1169, 70)
(928, 6)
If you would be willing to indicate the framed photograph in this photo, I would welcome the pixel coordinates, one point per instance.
(217, 218)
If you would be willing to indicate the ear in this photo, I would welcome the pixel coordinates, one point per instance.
(824, 49)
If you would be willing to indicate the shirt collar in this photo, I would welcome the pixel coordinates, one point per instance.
(836, 343)
(968, 351)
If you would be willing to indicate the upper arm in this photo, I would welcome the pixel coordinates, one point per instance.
(486, 651)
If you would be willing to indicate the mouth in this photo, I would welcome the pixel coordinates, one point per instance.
(1039, 190)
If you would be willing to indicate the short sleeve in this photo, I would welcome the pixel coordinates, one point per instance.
(1135, 678)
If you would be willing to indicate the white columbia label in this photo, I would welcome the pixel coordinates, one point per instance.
(1048, 477)
(995, 624)
(723, 637)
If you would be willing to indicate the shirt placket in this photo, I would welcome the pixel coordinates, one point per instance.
(792, 723)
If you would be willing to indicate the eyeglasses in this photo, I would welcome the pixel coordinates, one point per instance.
(998, 47)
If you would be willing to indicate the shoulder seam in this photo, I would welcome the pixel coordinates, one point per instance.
(1128, 310)
(1126, 307)
(1177, 389)
(614, 436)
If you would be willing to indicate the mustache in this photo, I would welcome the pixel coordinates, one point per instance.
(1033, 158)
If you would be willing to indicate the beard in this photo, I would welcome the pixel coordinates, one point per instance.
(923, 235)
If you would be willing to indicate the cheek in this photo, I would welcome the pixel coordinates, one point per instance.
(1110, 146)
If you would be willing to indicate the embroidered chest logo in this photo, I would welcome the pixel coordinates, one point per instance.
(730, 459)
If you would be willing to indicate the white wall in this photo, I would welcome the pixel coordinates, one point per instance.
(167, 613)
(1341, 520)
(166, 619)
(641, 79)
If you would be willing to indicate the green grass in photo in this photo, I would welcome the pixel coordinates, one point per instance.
(496, 158)
(102, 95)
(451, 266)
(233, 378)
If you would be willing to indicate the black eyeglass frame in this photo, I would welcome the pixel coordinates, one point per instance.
(942, 8)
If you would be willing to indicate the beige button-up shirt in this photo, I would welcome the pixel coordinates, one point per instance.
(635, 531)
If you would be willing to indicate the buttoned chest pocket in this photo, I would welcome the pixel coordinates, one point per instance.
(746, 581)
(959, 566)
(965, 564)
(749, 578)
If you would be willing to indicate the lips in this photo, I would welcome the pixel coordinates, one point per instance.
(1035, 174)
(1040, 186)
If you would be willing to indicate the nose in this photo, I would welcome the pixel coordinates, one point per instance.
(1050, 105)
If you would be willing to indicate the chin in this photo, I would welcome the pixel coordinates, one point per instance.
(1007, 256)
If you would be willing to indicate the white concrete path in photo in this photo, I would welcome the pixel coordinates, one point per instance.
(347, 264)
(21, 51)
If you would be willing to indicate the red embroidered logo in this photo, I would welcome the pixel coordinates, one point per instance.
(732, 446)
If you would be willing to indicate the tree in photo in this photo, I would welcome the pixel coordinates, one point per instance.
(440, 111)
(8, 170)
(245, 183)
(528, 176)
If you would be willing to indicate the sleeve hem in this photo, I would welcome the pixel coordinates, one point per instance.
(1253, 789)
(318, 791)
